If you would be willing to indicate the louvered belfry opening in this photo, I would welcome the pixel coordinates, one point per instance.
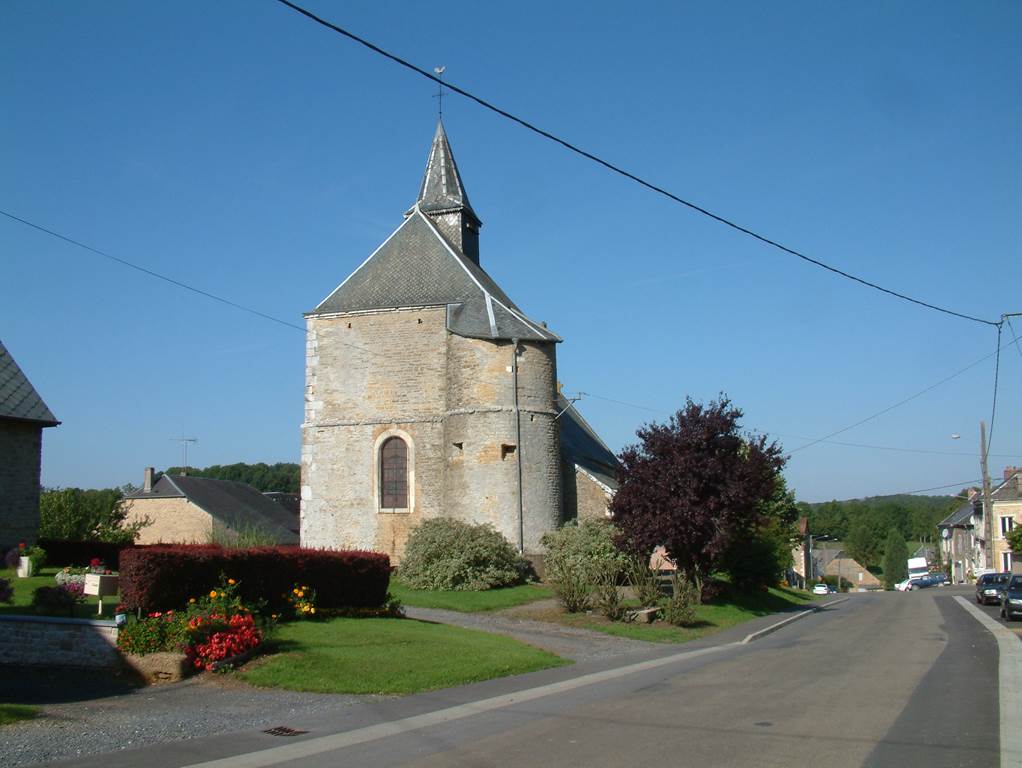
(394, 474)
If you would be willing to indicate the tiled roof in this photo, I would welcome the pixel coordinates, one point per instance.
(236, 505)
(18, 398)
(580, 445)
(961, 516)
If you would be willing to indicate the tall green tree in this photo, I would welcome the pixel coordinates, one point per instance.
(282, 476)
(895, 559)
(74, 514)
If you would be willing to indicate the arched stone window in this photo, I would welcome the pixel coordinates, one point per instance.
(394, 474)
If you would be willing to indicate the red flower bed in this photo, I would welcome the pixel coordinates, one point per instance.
(218, 638)
(160, 577)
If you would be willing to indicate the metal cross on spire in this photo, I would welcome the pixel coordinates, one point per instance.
(440, 91)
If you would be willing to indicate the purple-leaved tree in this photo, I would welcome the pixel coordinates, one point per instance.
(693, 485)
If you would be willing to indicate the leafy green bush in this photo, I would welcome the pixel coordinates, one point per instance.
(443, 553)
(579, 558)
(155, 633)
(680, 608)
(644, 580)
(54, 601)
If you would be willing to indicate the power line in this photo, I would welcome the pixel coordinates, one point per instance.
(934, 488)
(616, 169)
(171, 280)
(770, 433)
(899, 403)
(1013, 336)
(151, 273)
(997, 372)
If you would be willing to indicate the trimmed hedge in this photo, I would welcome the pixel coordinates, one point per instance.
(60, 552)
(162, 577)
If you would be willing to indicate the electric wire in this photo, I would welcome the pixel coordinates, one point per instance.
(1013, 336)
(616, 169)
(993, 408)
(167, 279)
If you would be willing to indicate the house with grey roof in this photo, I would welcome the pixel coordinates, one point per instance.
(23, 417)
(430, 392)
(962, 539)
(181, 509)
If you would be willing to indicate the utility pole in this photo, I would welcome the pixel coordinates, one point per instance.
(988, 512)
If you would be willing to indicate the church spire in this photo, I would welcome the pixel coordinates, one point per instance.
(442, 197)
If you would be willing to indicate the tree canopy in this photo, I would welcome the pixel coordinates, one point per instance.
(282, 477)
(74, 514)
(695, 485)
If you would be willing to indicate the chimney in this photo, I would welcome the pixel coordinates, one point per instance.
(1009, 471)
(147, 480)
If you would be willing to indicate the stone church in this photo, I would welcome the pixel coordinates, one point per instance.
(429, 393)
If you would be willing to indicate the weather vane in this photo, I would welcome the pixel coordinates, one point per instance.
(440, 90)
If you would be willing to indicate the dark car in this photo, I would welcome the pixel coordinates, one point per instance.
(1011, 601)
(990, 587)
(924, 581)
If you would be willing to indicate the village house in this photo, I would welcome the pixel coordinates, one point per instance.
(23, 417)
(961, 538)
(430, 393)
(1006, 503)
(181, 509)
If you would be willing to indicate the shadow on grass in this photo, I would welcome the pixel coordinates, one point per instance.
(763, 603)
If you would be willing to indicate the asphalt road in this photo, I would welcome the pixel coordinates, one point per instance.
(887, 679)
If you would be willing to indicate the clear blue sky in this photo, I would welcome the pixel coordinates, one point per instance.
(239, 147)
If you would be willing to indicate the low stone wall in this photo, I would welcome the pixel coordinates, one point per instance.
(56, 642)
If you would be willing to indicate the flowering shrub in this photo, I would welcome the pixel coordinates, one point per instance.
(70, 575)
(302, 602)
(54, 601)
(6, 591)
(76, 589)
(220, 627)
(157, 632)
(217, 638)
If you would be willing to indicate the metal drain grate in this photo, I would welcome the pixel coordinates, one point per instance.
(283, 730)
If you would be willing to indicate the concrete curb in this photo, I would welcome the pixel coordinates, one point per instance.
(790, 620)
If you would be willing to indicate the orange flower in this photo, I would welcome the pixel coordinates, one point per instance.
(230, 581)
(213, 594)
(191, 599)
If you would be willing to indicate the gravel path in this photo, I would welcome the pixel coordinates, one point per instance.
(89, 713)
(567, 642)
(75, 723)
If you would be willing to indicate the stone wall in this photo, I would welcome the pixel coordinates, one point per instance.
(592, 499)
(370, 375)
(21, 446)
(172, 520)
(56, 642)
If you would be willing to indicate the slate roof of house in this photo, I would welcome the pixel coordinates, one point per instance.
(580, 445)
(961, 516)
(232, 503)
(418, 267)
(1007, 490)
(18, 398)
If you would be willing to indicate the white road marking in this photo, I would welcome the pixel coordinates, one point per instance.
(1009, 674)
(316, 746)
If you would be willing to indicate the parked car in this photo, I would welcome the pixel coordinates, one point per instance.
(1011, 600)
(821, 589)
(990, 587)
(921, 582)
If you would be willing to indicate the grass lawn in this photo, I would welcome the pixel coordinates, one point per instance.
(388, 656)
(469, 602)
(23, 589)
(710, 617)
(12, 713)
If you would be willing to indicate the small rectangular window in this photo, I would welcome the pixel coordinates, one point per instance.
(506, 450)
(1007, 524)
(1006, 561)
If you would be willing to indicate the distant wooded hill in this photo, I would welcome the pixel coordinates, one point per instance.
(863, 525)
(283, 477)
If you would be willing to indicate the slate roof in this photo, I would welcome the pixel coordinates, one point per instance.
(18, 398)
(580, 445)
(961, 516)
(442, 190)
(418, 267)
(1007, 490)
(232, 503)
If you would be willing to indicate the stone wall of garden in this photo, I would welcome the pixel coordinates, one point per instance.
(56, 642)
